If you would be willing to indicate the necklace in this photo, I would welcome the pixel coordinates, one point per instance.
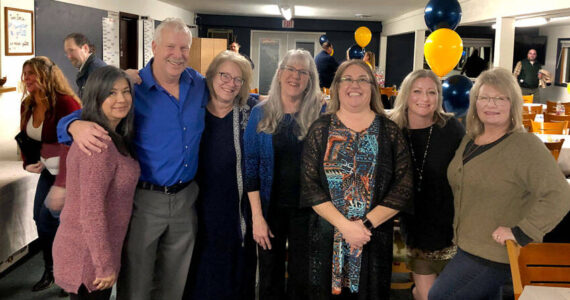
(420, 170)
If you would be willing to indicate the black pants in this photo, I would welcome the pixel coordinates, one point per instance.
(83, 294)
(46, 224)
(287, 225)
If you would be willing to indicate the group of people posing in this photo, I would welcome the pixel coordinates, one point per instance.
(180, 186)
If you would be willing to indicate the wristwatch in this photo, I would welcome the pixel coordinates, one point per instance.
(367, 224)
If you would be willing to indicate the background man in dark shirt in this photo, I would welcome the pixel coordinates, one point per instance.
(326, 65)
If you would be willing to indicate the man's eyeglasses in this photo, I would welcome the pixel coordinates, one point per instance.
(498, 101)
(226, 78)
(362, 82)
(301, 72)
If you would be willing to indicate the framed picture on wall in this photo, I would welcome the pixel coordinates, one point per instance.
(18, 31)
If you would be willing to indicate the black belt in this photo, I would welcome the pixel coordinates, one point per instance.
(170, 190)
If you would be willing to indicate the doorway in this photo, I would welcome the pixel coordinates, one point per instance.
(269, 47)
(128, 41)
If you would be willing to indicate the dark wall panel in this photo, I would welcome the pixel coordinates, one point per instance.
(55, 20)
(399, 58)
(340, 33)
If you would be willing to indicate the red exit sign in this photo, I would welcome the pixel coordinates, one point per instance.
(287, 24)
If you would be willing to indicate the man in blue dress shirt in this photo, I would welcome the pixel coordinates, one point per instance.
(169, 119)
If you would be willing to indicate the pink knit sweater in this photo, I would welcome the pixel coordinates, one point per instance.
(94, 220)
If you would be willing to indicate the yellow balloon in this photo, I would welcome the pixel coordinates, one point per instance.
(568, 87)
(362, 35)
(443, 49)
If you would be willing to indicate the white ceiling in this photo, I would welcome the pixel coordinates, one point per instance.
(378, 10)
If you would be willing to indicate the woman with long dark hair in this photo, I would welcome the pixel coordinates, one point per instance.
(100, 191)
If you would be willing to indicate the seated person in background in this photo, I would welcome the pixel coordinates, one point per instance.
(474, 65)
(46, 99)
(506, 186)
(100, 191)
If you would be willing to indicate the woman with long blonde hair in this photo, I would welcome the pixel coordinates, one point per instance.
(47, 98)
(273, 143)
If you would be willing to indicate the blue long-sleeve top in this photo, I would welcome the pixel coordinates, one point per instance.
(168, 130)
(259, 159)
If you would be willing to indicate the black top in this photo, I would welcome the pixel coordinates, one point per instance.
(287, 150)
(326, 66)
(431, 226)
(91, 64)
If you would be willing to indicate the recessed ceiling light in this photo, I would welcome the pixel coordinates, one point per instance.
(362, 16)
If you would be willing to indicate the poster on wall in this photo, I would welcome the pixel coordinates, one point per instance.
(18, 31)
(148, 32)
(111, 39)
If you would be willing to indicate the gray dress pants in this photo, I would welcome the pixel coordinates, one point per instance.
(158, 247)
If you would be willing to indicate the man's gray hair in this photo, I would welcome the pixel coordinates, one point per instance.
(176, 24)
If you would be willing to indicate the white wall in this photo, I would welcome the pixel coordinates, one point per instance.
(554, 33)
(11, 67)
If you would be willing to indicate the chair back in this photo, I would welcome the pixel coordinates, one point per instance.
(549, 127)
(528, 98)
(528, 116)
(551, 106)
(532, 109)
(388, 91)
(254, 91)
(544, 264)
(549, 117)
(555, 148)
(326, 91)
(527, 124)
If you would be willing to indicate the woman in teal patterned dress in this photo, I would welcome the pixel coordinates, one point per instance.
(357, 176)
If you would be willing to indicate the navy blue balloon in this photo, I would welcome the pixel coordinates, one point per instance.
(355, 52)
(456, 94)
(442, 14)
(323, 38)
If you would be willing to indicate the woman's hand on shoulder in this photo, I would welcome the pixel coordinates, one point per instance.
(35, 168)
(355, 234)
(261, 232)
(103, 283)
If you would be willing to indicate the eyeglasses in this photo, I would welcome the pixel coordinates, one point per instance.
(498, 101)
(362, 82)
(226, 78)
(301, 72)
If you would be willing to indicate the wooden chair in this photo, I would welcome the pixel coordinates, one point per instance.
(551, 106)
(544, 264)
(527, 124)
(556, 118)
(528, 116)
(549, 127)
(388, 91)
(555, 148)
(528, 98)
(326, 91)
(532, 109)
(254, 91)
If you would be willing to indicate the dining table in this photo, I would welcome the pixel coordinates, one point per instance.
(538, 292)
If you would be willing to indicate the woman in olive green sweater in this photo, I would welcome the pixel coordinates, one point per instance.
(506, 185)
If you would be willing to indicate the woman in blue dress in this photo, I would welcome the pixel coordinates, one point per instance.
(224, 262)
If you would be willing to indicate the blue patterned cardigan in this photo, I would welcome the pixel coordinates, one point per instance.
(259, 160)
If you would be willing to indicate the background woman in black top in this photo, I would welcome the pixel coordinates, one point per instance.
(433, 137)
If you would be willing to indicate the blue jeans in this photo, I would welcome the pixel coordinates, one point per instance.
(46, 223)
(470, 277)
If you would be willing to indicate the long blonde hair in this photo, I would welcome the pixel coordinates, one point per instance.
(50, 82)
(502, 80)
(400, 112)
(310, 106)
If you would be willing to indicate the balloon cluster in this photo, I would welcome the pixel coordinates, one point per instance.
(443, 50)
(443, 47)
(362, 36)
